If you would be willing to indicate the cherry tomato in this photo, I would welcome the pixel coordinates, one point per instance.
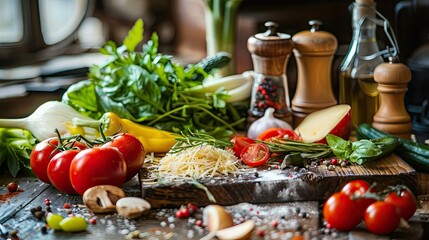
(239, 142)
(357, 188)
(382, 217)
(341, 212)
(132, 150)
(59, 171)
(405, 202)
(40, 157)
(255, 154)
(42, 153)
(97, 166)
(279, 133)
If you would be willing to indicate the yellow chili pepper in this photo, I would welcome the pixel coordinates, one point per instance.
(153, 139)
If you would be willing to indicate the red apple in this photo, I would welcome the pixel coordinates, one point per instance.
(335, 120)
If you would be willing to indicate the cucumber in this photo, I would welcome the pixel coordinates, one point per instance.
(415, 154)
(218, 60)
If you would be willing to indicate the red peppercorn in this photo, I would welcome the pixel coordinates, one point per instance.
(275, 223)
(334, 161)
(199, 223)
(182, 213)
(93, 221)
(192, 208)
(260, 233)
(67, 205)
(12, 187)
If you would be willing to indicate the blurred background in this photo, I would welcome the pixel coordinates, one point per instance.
(46, 45)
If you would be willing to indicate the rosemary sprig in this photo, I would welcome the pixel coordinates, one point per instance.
(191, 139)
(307, 150)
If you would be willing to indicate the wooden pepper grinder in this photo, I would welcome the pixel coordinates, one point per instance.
(392, 116)
(313, 52)
(270, 53)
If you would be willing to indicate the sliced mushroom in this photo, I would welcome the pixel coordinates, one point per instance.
(102, 198)
(132, 207)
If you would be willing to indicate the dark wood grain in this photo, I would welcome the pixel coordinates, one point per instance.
(276, 185)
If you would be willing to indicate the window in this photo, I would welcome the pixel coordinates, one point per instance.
(11, 26)
(59, 18)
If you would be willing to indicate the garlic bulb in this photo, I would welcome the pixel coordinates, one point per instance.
(266, 122)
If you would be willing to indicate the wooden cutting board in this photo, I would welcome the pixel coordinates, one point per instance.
(277, 185)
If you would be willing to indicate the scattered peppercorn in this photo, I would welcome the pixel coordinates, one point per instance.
(44, 230)
(13, 233)
(39, 214)
(93, 221)
(12, 187)
(199, 223)
(260, 233)
(67, 205)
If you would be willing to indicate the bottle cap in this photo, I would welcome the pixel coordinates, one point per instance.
(314, 40)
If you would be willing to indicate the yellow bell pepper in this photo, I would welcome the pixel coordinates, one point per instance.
(153, 139)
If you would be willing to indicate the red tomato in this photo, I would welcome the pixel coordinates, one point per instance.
(132, 150)
(255, 154)
(97, 166)
(40, 157)
(382, 217)
(42, 153)
(341, 212)
(59, 171)
(239, 142)
(279, 133)
(405, 202)
(357, 188)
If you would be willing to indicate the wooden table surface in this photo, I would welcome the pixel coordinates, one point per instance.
(294, 218)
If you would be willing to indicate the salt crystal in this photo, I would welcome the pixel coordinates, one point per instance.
(124, 231)
(190, 234)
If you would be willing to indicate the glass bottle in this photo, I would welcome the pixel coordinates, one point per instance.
(357, 85)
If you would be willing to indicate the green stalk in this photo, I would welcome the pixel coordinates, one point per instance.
(220, 29)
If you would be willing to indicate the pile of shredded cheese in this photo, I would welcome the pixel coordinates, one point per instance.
(198, 162)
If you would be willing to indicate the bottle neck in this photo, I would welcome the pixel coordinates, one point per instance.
(362, 20)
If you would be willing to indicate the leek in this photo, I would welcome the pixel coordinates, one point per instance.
(47, 118)
(220, 18)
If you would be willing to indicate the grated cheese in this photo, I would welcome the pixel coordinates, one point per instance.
(198, 162)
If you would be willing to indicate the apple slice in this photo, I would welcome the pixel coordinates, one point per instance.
(335, 120)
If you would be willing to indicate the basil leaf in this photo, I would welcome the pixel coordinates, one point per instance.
(340, 147)
(364, 149)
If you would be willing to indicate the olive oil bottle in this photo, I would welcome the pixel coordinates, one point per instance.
(357, 85)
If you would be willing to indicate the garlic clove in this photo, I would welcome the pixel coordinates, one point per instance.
(216, 218)
(266, 122)
(242, 231)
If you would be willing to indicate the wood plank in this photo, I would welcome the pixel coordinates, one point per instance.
(276, 185)
(31, 188)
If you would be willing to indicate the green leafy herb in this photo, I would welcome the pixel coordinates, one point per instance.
(191, 139)
(149, 88)
(15, 149)
(363, 150)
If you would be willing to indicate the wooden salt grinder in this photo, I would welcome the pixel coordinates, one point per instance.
(313, 52)
(392, 116)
